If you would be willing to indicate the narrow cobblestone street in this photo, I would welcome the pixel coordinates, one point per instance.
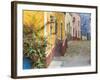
(77, 54)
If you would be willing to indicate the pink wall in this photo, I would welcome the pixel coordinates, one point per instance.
(76, 30)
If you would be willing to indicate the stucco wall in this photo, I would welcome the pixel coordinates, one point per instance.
(76, 26)
(86, 25)
(34, 19)
(41, 22)
(69, 25)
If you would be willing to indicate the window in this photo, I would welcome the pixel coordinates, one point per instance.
(73, 19)
(53, 25)
(51, 20)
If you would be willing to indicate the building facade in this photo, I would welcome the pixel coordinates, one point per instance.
(48, 25)
(76, 26)
(85, 26)
(68, 26)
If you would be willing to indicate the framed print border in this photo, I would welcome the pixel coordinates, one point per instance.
(14, 38)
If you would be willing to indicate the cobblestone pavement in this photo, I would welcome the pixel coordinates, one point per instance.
(77, 54)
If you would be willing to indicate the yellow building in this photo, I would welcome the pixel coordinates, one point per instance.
(49, 25)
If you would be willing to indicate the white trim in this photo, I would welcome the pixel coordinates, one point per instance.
(45, 23)
(65, 24)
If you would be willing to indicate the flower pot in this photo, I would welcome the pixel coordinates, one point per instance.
(27, 63)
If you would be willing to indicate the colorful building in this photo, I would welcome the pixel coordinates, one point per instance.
(55, 28)
(85, 26)
(69, 25)
(76, 26)
(55, 33)
(49, 26)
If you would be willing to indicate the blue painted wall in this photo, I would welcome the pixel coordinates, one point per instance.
(85, 25)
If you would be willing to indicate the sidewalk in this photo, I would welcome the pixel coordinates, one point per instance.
(77, 54)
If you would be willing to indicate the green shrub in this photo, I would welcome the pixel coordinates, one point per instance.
(34, 47)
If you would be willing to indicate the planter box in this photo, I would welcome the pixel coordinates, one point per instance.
(64, 47)
(27, 63)
(49, 57)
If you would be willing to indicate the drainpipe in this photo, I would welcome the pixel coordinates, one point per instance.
(61, 29)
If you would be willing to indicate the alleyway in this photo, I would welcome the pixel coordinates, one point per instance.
(77, 54)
